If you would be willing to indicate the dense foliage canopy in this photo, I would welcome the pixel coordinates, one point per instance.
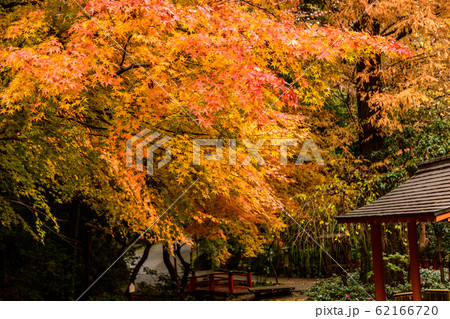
(368, 82)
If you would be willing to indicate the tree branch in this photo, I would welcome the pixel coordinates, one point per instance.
(124, 53)
(133, 66)
(16, 4)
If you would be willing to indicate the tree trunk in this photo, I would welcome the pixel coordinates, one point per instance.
(423, 240)
(368, 82)
(138, 266)
(370, 136)
(271, 263)
(166, 258)
(2, 267)
(75, 230)
(186, 270)
(366, 264)
(88, 258)
(439, 249)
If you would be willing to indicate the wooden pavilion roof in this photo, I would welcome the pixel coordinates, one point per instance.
(424, 197)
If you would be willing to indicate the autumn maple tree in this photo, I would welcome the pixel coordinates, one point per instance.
(79, 80)
(384, 115)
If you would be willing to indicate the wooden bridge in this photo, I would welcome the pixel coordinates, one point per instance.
(220, 283)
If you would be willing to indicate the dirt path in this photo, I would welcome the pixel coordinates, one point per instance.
(300, 284)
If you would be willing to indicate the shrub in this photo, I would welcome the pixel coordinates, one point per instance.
(333, 288)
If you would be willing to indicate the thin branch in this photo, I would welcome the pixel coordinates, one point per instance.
(133, 66)
(68, 240)
(258, 7)
(125, 50)
(383, 32)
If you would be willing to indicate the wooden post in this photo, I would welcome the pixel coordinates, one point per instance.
(378, 265)
(211, 282)
(414, 261)
(230, 282)
(249, 279)
(193, 282)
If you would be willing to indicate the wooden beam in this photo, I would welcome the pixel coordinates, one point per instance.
(443, 217)
(378, 265)
(387, 219)
(414, 261)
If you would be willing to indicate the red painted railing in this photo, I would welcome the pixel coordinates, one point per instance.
(221, 282)
(433, 264)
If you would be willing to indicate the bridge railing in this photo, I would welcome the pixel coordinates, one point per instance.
(211, 281)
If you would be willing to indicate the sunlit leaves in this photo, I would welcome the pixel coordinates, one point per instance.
(71, 98)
